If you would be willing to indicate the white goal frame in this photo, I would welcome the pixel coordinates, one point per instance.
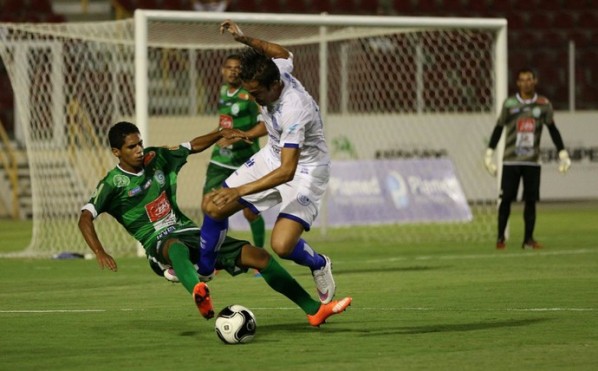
(498, 25)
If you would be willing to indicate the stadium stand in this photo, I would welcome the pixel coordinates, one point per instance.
(539, 31)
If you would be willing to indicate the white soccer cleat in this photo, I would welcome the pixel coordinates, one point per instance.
(324, 281)
(171, 276)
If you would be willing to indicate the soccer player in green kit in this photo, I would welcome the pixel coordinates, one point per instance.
(523, 116)
(238, 111)
(140, 193)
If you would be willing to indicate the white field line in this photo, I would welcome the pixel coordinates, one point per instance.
(494, 255)
(380, 309)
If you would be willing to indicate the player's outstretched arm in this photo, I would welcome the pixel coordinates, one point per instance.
(202, 142)
(285, 173)
(269, 49)
(91, 238)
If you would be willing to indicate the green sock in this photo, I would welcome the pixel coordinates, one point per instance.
(185, 271)
(258, 230)
(280, 280)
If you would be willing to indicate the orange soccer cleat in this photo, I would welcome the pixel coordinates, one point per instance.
(201, 296)
(327, 310)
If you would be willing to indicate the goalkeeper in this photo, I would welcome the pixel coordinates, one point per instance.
(523, 115)
(140, 193)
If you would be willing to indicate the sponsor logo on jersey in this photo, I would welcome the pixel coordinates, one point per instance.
(166, 232)
(292, 129)
(121, 181)
(226, 121)
(243, 96)
(134, 192)
(159, 208)
(542, 100)
(160, 178)
(526, 125)
(148, 158)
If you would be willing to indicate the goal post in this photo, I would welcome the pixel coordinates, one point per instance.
(390, 89)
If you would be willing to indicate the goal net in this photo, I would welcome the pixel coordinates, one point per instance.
(417, 92)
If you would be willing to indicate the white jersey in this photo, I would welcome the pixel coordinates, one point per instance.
(294, 121)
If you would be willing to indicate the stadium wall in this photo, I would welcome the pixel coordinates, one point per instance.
(459, 136)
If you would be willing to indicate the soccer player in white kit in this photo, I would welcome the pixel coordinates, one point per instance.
(291, 170)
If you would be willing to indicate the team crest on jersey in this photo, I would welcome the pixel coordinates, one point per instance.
(121, 181)
(303, 199)
(160, 178)
(536, 112)
(226, 121)
(243, 96)
(235, 108)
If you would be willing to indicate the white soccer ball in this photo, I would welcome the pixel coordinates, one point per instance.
(235, 324)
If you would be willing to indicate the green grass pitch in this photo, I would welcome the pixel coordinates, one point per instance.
(426, 306)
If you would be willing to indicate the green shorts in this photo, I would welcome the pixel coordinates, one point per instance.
(215, 176)
(226, 258)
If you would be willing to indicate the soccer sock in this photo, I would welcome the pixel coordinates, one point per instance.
(280, 280)
(258, 230)
(529, 217)
(303, 254)
(185, 271)
(213, 233)
(504, 210)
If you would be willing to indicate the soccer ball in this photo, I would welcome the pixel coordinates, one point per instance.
(235, 324)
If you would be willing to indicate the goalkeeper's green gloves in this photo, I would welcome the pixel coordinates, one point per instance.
(489, 162)
(564, 161)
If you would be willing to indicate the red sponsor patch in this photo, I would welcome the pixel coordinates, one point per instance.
(158, 208)
(148, 158)
(542, 100)
(226, 121)
(526, 125)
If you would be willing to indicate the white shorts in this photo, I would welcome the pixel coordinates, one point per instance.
(300, 199)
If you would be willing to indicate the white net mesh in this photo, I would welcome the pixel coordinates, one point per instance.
(391, 93)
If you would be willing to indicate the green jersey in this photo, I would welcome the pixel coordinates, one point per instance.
(523, 120)
(238, 111)
(145, 203)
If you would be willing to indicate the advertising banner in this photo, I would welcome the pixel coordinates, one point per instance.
(362, 192)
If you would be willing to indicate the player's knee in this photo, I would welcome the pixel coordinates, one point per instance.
(210, 209)
(249, 215)
(281, 248)
(254, 257)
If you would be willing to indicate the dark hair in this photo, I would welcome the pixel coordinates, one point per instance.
(235, 56)
(119, 131)
(258, 67)
(525, 70)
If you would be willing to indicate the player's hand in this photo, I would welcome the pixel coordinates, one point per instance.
(564, 161)
(234, 135)
(232, 28)
(106, 261)
(489, 162)
(224, 196)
